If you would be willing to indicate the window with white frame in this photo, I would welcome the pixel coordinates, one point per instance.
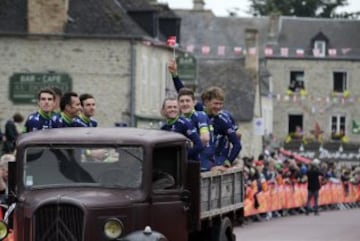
(340, 81)
(338, 123)
(320, 48)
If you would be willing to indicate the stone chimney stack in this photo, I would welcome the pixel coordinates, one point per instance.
(252, 55)
(198, 4)
(47, 16)
(154, 2)
(273, 28)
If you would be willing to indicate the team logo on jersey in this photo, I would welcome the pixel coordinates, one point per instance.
(189, 132)
(230, 130)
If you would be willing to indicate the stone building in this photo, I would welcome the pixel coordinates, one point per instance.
(320, 54)
(324, 59)
(321, 58)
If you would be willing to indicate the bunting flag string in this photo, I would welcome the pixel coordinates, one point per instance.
(267, 51)
(320, 104)
(297, 98)
(276, 52)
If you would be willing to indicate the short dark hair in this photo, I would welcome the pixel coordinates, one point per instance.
(45, 90)
(186, 91)
(18, 118)
(66, 99)
(84, 97)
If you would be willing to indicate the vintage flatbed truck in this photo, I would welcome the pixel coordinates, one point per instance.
(92, 184)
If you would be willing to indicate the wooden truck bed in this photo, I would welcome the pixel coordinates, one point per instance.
(221, 192)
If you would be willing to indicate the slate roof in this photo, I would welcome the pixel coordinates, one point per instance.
(204, 28)
(341, 33)
(137, 5)
(105, 17)
(13, 16)
(232, 77)
(85, 17)
(165, 11)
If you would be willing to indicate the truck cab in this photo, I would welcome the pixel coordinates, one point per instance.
(77, 184)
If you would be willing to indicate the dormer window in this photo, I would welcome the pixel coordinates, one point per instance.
(319, 48)
(319, 44)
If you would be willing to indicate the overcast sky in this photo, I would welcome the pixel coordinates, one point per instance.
(220, 7)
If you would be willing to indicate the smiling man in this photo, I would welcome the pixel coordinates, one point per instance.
(227, 143)
(179, 124)
(70, 107)
(201, 122)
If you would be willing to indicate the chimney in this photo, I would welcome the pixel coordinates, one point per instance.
(47, 16)
(198, 4)
(252, 55)
(153, 2)
(273, 28)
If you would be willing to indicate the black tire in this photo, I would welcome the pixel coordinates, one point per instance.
(223, 231)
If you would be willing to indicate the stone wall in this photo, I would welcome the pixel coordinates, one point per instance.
(319, 104)
(99, 67)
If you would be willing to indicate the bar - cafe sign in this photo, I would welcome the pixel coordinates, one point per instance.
(23, 87)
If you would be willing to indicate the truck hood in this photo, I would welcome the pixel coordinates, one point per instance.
(89, 197)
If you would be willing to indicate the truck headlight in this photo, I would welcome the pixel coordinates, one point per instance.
(3, 230)
(113, 228)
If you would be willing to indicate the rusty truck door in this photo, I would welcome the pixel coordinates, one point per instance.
(168, 207)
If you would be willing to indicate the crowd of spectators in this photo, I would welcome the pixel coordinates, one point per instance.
(278, 169)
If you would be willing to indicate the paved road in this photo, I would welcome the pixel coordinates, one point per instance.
(341, 225)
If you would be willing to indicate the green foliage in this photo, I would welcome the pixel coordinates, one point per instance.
(300, 8)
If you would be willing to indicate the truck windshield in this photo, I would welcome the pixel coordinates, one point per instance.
(79, 166)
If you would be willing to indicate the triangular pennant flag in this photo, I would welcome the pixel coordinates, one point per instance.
(284, 52)
(190, 48)
(252, 51)
(205, 49)
(237, 50)
(146, 42)
(332, 52)
(268, 51)
(300, 52)
(345, 50)
(221, 50)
